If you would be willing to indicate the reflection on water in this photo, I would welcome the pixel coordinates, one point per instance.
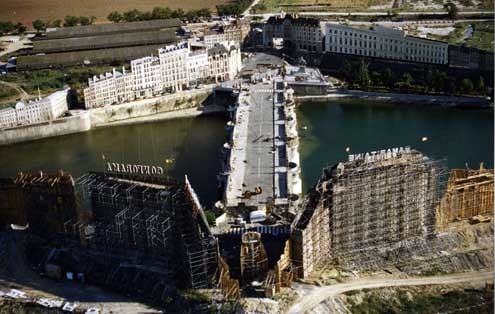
(194, 143)
(462, 136)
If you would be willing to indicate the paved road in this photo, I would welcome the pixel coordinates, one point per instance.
(255, 2)
(412, 13)
(259, 150)
(318, 295)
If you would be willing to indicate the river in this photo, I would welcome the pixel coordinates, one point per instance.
(327, 129)
(193, 143)
(459, 135)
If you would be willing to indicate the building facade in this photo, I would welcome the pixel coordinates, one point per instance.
(237, 31)
(224, 61)
(110, 88)
(174, 68)
(45, 109)
(302, 33)
(382, 42)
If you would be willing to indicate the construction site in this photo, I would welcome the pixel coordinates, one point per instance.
(147, 235)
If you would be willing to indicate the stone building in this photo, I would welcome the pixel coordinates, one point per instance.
(175, 68)
(224, 61)
(110, 88)
(302, 33)
(236, 31)
(42, 110)
(382, 42)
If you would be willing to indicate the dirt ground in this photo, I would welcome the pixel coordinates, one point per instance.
(26, 11)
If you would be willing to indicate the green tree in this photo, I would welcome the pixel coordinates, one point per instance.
(406, 81)
(20, 28)
(428, 79)
(363, 75)
(132, 16)
(480, 85)
(6, 27)
(388, 78)
(451, 9)
(84, 20)
(70, 20)
(115, 17)
(205, 12)
(438, 81)
(161, 13)
(178, 14)
(39, 25)
(467, 86)
(210, 217)
(56, 23)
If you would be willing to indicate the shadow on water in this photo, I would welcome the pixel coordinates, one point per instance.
(193, 143)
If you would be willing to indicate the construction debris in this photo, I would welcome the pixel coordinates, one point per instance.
(254, 262)
(469, 193)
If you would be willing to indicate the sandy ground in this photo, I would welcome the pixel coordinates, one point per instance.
(315, 295)
(26, 11)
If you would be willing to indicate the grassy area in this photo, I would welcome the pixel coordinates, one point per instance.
(49, 81)
(482, 36)
(403, 302)
(7, 92)
(266, 6)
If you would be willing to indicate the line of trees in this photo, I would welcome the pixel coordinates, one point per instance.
(358, 75)
(235, 8)
(69, 20)
(158, 13)
(9, 27)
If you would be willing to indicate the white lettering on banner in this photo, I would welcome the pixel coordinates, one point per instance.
(380, 155)
(133, 169)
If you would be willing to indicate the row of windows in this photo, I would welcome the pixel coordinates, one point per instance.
(387, 55)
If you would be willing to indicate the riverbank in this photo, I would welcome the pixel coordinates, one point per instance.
(184, 104)
(418, 99)
(170, 115)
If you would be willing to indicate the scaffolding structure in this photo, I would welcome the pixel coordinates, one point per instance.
(282, 275)
(254, 261)
(369, 203)
(38, 200)
(469, 193)
(158, 220)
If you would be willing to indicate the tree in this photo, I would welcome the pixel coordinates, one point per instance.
(70, 20)
(6, 27)
(388, 78)
(132, 16)
(467, 86)
(115, 17)
(56, 23)
(480, 85)
(20, 28)
(84, 20)
(39, 25)
(406, 80)
(161, 13)
(210, 217)
(363, 75)
(438, 81)
(451, 9)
